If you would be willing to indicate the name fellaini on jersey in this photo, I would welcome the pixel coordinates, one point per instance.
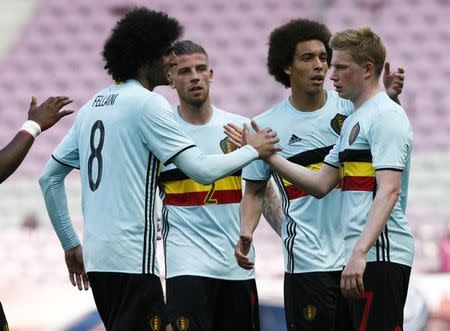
(104, 100)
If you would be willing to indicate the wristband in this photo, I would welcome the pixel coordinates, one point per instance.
(31, 127)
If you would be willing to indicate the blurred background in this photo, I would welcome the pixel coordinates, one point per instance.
(51, 47)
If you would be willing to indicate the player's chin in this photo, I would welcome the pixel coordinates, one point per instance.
(197, 99)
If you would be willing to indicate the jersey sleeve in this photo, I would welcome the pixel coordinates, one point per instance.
(390, 139)
(159, 130)
(257, 170)
(332, 159)
(67, 151)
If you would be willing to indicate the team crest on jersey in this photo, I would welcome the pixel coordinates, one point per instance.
(337, 122)
(227, 146)
(309, 312)
(155, 323)
(182, 323)
(354, 133)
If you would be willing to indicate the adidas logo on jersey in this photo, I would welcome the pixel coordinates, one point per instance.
(294, 139)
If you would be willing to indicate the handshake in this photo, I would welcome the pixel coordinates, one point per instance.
(263, 140)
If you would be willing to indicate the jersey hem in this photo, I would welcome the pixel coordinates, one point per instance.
(408, 264)
(209, 276)
(314, 270)
(124, 272)
(388, 168)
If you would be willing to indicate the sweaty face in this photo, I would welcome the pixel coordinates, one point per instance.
(347, 76)
(309, 67)
(191, 77)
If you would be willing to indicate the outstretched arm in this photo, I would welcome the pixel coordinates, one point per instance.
(216, 166)
(40, 118)
(13, 154)
(316, 183)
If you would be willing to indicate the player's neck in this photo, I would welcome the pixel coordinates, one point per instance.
(367, 93)
(196, 114)
(145, 82)
(307, 102)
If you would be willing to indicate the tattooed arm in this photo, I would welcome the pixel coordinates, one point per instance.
(271, 207)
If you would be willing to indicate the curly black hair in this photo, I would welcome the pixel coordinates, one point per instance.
(283, 42)
(141, 36)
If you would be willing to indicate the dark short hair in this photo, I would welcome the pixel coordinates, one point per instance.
(141, 36)
(185, 47)
(283, 42)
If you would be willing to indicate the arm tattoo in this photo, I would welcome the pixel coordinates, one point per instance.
(272, 207)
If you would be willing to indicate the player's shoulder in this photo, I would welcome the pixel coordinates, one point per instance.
(383, 112)
(227, 116)
(273, 112)
(385, 106)
(141, 94)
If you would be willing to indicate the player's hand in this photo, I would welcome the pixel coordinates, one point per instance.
(263, 140)
(75, 266)
(48, 113)
(393, 81)
(242, 248)
(352, 276)
(234, 133)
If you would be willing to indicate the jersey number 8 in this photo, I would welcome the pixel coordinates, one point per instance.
(96, 153)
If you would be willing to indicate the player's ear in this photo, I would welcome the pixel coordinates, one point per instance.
(369, 69)
(287, 71)
(211, 74)
(169, 76)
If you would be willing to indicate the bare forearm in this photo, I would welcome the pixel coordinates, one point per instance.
(14, 153)
(308, 180)
(382, 207)
(271, 208)
(250, 213)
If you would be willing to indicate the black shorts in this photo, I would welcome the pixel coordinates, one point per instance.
(310, 300)
(197, 303)
(380, 307)
(3, 321)
(133, 302)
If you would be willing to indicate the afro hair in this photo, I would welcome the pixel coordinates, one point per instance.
(283, 42)
(141, 36)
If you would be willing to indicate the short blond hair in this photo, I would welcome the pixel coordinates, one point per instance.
(362, 44)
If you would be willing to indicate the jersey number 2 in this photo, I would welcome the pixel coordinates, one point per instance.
(209, 199)
(96, 153)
